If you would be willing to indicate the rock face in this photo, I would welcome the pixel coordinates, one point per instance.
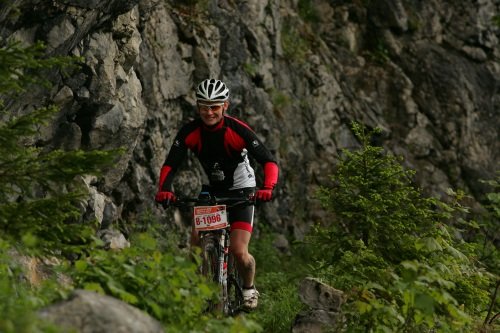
(427, 73)
(90, 312)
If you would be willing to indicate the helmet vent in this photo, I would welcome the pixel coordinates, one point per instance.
(212, 90)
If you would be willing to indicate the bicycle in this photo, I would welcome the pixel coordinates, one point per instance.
(218, 265)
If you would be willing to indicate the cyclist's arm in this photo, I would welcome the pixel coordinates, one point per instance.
(264, 157)
(183, 140)
(271, 172)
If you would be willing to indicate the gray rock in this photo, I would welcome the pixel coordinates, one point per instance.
(319, 295)
(113, 239)
(90, 312)
(324, 304)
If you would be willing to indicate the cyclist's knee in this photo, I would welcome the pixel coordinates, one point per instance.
(239, 251)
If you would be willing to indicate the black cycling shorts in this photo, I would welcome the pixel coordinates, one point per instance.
(239, 217)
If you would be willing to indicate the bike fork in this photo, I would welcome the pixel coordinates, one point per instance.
(223, 259)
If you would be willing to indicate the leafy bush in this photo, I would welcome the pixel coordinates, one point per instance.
(391, 250)
(166, 285)
(18, 301)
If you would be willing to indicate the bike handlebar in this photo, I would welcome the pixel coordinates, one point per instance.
(212, 200)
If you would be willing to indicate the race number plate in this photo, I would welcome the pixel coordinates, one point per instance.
(210, 217)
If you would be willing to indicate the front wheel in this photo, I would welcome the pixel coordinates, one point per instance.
(212, 271)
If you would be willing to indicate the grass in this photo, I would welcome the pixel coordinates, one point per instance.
(278, 276)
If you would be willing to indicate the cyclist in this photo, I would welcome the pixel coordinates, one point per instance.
(223, 144)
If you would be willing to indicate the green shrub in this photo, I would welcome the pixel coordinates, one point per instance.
(18, 300)
(391, 250)
(166, 285)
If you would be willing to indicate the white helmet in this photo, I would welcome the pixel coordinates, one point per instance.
(212, 90)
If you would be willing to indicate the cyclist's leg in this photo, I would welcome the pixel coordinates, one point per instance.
(245, 261)
(241, 219)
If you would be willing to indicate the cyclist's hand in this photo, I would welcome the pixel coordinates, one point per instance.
(264, 194)
(165, 198)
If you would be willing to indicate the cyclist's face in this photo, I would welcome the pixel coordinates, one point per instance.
(212, 112)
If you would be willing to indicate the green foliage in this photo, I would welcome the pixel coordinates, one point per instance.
(250, 69)
(390, 249)
(278, 302)
(374, 202)
(18, 301)
(277, 280)
(166, 285)
(488, 239)
(21, 67)
(280, 102)
(295, 46)
(39, 194)
(379, 53)
(141, 275)
(40, 189)
(493, 200)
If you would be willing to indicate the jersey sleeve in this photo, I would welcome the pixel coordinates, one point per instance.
(176, 155)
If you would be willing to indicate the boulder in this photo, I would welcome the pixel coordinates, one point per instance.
(90, 312)
(324, 304)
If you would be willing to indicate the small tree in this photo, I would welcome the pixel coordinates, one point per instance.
(390, 249)
(39, 191)
(39, 188)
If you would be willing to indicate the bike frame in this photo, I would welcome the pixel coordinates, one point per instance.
(216, 243)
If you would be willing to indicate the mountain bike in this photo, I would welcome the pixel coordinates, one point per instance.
(218, 265)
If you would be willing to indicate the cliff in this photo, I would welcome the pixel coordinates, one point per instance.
(427, 73)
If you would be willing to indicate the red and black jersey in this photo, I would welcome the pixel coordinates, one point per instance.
(222, 151)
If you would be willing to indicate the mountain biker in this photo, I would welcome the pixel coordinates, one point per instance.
(223, 144)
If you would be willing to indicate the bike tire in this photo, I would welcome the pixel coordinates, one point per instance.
(211, 270)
